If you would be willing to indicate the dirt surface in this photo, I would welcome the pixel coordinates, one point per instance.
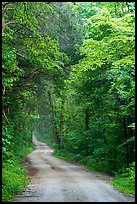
(55, 180)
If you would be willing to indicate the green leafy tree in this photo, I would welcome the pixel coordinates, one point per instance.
(104, 82)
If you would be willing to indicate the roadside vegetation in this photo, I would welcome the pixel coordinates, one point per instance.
(14, 178)
(68, 75)
(11, 187)
(126, 180)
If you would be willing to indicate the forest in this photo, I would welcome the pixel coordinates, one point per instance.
(68, 76)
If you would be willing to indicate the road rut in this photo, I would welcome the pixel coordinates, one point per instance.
(55, 180)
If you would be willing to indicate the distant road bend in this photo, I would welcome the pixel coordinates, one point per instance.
(55, 180)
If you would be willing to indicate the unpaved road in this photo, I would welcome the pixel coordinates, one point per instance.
(55, 180)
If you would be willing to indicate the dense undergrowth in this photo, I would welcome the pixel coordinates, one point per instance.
(126, 180)
(14, 178)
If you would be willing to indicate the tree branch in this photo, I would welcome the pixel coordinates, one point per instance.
(8, 23)
(5, 117)
(13, 22)
(30, 74)
(3, 90)
(19, 54)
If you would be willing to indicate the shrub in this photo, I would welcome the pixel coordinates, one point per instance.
(126, 180)
(13, 180)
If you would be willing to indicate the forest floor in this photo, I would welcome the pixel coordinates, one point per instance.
(55, 180)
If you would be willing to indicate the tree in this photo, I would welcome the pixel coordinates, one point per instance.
(104, 82)
(28, 57)
(68, 73)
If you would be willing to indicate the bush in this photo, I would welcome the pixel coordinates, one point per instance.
(126, 180)
(13, 174)
(98, 165)
(13, 180)
(130, 172)
(124, 184)
(68, 156)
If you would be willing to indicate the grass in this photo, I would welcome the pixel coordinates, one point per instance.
(125, 184)
(14, 179)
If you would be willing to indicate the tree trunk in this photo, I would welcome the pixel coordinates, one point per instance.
(54, 130)
(87, 117)
(62, 122)
(131, 144)
(115, 156)
(126, 137)
(127, 6)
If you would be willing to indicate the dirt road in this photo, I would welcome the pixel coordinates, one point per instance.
(55, 180)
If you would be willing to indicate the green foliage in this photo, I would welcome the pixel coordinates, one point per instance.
(66, 27)
(130, 172)
(10, 186)
(46, 138)
(98, 164)
(69, 76)
(125, 184)
(126, 181)
(68, 156)
(103, 81)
